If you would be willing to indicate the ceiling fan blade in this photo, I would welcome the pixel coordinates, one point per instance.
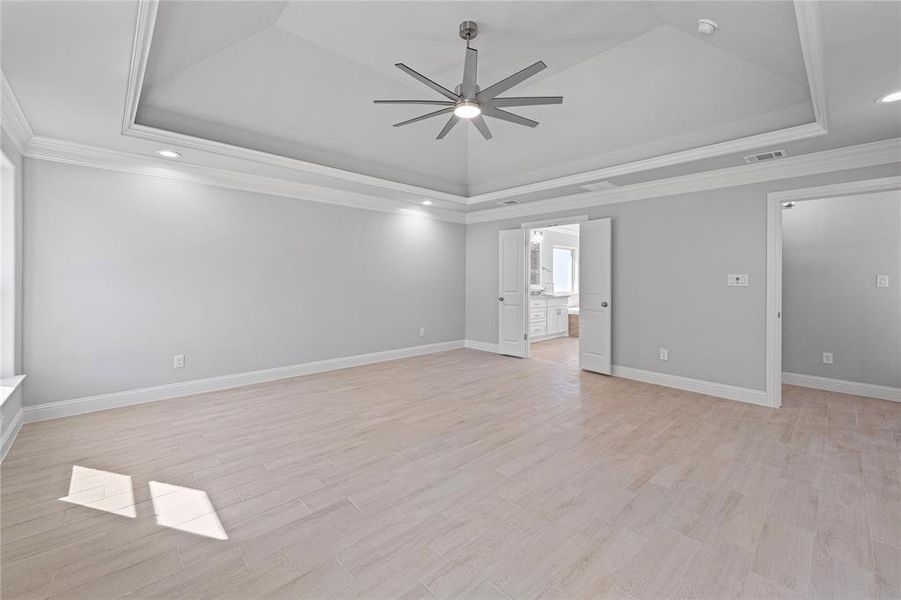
(526, 101)
(450, 125)
(482, 126)
(508, 116)
(505, 84)
(443, 111)
(430, 102)
(422, 78)
(470, 67)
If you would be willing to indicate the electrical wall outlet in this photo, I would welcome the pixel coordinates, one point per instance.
(738, 280)
(664, 354)
(882, 281)
(827, 358)
(178, 361)
(422, 332)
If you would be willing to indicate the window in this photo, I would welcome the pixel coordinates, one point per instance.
(564, 270)
(7, 266)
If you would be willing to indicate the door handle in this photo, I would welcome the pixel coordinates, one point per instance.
(604, 304)
(500, 298)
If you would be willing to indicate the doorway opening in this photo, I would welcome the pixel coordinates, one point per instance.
(535, 299)
(841, 305)
(553, 309)
(779, 203)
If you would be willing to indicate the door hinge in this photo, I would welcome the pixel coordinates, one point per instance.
(525, 336)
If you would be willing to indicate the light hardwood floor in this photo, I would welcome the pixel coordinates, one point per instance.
(461, 474)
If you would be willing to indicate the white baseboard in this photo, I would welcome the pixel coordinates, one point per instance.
(699, 386)
(710, 388)
(483, 346)
(77, 406)
(869, 390)
(12, 430)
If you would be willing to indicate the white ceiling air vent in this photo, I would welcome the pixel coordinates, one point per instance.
(508, 202)
(598, 186)
(764, 156)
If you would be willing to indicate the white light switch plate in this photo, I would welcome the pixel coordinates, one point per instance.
(738, 280)
(882, 281)
(178, 361)
(827, 358)
(664, 354)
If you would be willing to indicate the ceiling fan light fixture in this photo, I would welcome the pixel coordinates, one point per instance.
(467, 109)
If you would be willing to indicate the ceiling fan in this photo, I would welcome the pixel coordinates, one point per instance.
(468, 101)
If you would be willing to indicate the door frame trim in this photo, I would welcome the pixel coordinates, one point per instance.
(774, 202)
(527, 228)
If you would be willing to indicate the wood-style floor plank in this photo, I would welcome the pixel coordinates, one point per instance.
(458, 475)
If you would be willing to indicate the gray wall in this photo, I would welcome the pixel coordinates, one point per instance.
(671, 258)
(124, 271)
(832, 251)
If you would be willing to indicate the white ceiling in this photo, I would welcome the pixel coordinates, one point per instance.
(298, 78)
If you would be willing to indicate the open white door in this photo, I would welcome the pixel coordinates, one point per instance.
(511, 281)
(595, 294)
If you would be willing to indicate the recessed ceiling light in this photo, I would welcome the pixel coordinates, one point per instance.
(426, 202)
(467, 109)
(892, 97)
(707, 26)
(168, 153)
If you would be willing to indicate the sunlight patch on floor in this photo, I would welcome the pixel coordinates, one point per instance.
(185, 509)
(101, 490)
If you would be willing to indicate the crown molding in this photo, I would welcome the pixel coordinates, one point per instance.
(810, 34)
(809, 30)
(772, 138)
(140, 51)
(12, 117)
(840, 159)
(851, 157)
(181, 140)
(72, 153)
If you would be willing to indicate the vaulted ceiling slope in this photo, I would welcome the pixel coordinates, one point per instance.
(646, 95)
(298, 79)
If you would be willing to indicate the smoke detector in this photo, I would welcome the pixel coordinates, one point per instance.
(707, 26)
(764, 156)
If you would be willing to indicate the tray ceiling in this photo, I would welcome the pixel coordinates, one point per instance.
(297, 79)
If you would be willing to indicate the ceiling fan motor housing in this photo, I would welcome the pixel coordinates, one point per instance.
(469, 30)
